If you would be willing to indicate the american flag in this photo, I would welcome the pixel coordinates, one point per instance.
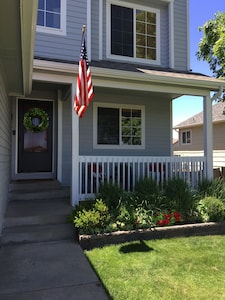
(84, 91)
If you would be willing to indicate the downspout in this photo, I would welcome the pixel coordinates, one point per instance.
(217, 96)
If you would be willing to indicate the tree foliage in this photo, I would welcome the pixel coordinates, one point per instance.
(212, 45)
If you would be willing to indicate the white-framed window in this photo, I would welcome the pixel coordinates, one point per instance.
(186, 137)
(51, 16)
(118, 126)
(133, 32)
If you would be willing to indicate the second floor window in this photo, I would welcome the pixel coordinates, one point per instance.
(134, 32)
(186, 137)
(51, 16)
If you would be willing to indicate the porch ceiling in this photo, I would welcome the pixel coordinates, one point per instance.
(17, 31)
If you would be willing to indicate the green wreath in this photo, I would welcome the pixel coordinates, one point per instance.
(31, 115)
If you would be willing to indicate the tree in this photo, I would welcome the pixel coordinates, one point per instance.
(212, 45)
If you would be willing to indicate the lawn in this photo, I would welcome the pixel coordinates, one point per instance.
(179, 268)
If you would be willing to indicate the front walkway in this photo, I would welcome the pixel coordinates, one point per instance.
(50, 270)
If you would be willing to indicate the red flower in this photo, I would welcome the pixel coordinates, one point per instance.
(167, 216)
(177, 216)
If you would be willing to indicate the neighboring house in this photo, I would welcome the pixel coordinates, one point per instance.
(191, 136)
(139, 58)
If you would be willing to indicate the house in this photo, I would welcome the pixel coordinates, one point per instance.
(191, 136)
(139, 58)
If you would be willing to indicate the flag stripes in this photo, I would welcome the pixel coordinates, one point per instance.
(84, 91)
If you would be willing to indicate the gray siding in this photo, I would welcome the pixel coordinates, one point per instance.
(157, 124)
(5, 147)
(67, 48)
(180, 35)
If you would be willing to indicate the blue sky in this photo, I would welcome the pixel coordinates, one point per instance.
(200, 12)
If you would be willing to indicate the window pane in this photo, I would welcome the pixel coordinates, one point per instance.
(41, 4)
(121, 31)
(53, 5)
(108, 126)
(40, 18)
(151, 54)
(131, 127)
(145, 35)
(52, 20)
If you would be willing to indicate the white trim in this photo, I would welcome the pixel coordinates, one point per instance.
(118, 106)
(208, 136)
(89, 29)
(100, 36)
(108, 33)
(60, 140)
(62, 29)
(75, 153)
(181, 136)
(171, 35)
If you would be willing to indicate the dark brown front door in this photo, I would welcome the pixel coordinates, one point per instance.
(35, 136)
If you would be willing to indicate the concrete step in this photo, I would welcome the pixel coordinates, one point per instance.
(33, 185)
(39, 194)
(37, 233)
(38, 211)
(34, 212)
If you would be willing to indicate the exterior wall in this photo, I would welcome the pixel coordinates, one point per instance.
(197, 145)
(67, 48)
(218, 136)
(196, 140)
(180, 35)
(157, 124)
(5, 148)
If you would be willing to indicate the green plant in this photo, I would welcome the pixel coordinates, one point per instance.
(178, 195)
(111, 194)
(143, 218)
(147, 193)
(213, 188)
(94, 220)
(211, 209)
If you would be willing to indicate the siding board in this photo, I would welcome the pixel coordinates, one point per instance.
(5, 147)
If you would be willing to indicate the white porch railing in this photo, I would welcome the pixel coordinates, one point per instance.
(125, 171)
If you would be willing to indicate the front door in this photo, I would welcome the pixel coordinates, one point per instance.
(35, 136)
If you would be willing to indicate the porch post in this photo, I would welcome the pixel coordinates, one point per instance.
(208, 136)
(75, 153)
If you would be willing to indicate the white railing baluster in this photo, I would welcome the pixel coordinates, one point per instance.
(125, 171)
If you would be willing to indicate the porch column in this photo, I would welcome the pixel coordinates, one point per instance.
(75, 153)
(208, 136)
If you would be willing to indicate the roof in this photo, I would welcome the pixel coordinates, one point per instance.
(196, 120)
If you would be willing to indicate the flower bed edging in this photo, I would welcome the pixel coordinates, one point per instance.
(88, 242)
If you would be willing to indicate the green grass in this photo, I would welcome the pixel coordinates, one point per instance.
(180, 268)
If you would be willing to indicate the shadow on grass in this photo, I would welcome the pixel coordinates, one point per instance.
(136, 247)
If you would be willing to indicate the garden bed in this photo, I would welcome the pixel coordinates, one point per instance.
(88, 242)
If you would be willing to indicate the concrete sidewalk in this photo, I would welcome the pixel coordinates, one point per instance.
(48, 270)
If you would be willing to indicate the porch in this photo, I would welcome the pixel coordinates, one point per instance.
(126, 171)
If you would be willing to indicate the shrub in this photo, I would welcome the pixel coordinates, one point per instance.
(178, 195)
(211, 209)
(212, 188)
(147, 193)
(111, 194)
(94, 220)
